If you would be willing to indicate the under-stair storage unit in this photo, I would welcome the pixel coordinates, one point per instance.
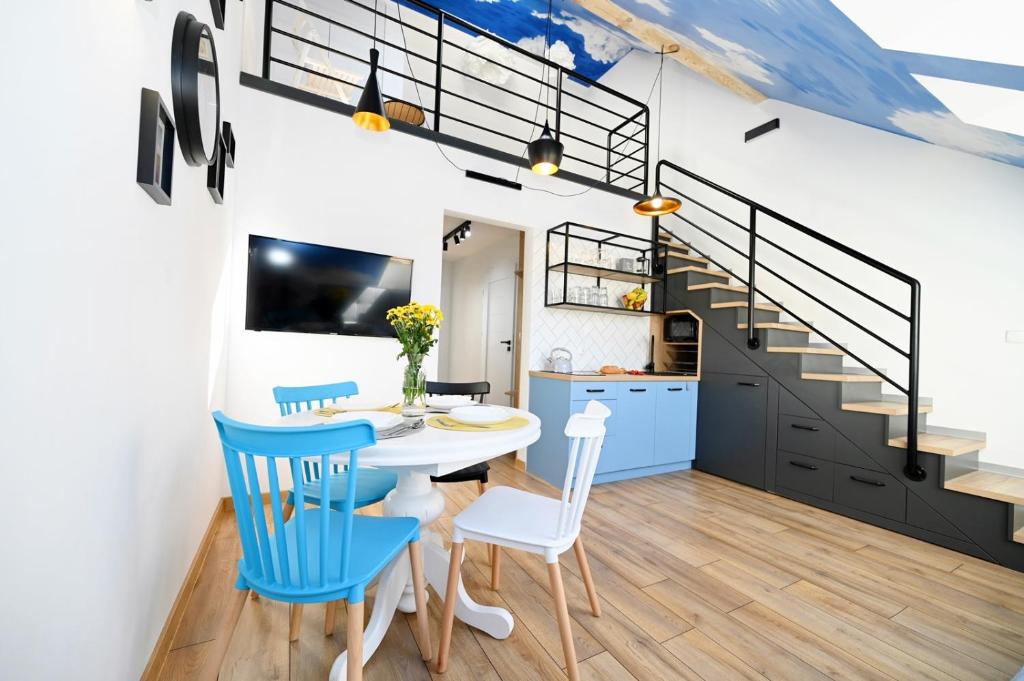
(824, 432)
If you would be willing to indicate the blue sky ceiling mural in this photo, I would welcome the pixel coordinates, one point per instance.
(804, 52)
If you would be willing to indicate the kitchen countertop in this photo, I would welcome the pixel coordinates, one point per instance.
(612, 377)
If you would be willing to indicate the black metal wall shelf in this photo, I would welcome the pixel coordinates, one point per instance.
(599, 244)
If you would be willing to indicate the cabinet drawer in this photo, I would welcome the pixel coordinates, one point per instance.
(806, 436)
(870, 491)
(804, 474)
(594, 390)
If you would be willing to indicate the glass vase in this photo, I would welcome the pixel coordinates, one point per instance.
(414, 390)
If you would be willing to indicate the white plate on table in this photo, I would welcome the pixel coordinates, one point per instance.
(449, 401)
(381, 420)
(481, 415)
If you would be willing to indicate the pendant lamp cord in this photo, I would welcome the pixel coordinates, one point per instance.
(661, 88)
(547, 59)
(375, 24)
(440, 149)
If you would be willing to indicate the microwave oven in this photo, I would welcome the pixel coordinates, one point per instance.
(680, 330)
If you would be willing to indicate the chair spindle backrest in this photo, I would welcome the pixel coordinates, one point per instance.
(247, 446)
(587, 433)
(292, 399)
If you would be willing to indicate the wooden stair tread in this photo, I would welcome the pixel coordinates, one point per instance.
(714, 284)
(778, 326)
(700, 270)
(884, 407)
(766, 307)
(688, 257)
(990, 485)
(806, 350)
(842, 378)
(937, 443)
(1018, 536)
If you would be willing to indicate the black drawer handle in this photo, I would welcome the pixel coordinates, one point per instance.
(865, 481)
(595, 390)
(638, 390)
(813, 429)
(801, 464)
(674, 390)
(749, 385)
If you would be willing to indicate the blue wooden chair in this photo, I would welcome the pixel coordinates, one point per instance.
(373, 484)
(320, 555)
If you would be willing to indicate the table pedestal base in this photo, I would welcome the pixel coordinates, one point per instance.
(415, 496)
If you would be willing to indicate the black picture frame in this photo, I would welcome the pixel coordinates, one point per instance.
(188, 63)
(215, 173)
(155, 168)
(228, 133)
(219, 8)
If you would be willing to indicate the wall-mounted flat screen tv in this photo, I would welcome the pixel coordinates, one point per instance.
(307, 288)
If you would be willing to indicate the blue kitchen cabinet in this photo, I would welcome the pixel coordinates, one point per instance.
(651, 429)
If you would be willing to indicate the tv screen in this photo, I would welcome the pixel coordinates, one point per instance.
(308, 288)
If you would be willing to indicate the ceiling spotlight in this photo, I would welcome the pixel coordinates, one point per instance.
(456, 237)
(467, 232)
(445, 243)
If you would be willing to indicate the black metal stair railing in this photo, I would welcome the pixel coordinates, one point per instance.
(913, 470)
(605, 132)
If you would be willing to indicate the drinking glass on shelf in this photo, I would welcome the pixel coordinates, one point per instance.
(603, 296)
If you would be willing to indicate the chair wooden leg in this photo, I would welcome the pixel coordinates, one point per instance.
(481, 487)
(355, 641)
(495, 567)
(420, 592)
(295, 623)
(588, 579)
(564, 627)
(329, 614)
(287, 510)
(253, 595)
(448, 616)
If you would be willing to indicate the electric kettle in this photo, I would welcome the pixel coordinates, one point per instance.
(561, 365)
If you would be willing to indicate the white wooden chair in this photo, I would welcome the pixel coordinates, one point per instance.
(504, 516)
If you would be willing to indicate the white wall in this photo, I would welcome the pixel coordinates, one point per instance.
(111, 340)
(464, 342)
(315, 177)
(950, 219)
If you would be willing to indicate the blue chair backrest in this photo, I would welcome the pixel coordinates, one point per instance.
(292, 399)
(243, 445)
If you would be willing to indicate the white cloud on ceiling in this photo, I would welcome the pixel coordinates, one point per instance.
(945, 129)
(559, 52)
(658, 6)
(601, 44)
(733, 56)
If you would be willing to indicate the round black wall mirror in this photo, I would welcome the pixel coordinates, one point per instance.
(195, 88)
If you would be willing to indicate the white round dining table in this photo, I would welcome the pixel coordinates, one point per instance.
(415, 457)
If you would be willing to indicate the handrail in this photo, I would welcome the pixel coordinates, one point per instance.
(584, 135)
(912, 469)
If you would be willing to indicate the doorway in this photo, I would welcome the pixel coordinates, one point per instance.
(481, 298)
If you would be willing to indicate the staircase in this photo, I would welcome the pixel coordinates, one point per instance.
(960, 503)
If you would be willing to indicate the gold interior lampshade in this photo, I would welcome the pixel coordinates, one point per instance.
(656, 204)
(407, 112)
(369, 113)
(545, 153)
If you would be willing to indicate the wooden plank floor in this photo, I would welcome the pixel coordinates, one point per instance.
(699, 578)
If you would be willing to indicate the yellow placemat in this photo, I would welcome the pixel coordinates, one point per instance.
(448, 423)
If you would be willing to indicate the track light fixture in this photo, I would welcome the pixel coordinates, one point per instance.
(458, 235)
(369, 113)
(545, 152)
(656, 204)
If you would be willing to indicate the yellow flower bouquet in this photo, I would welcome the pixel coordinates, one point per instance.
(414, 324)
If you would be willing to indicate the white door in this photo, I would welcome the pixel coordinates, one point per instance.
(501, 322)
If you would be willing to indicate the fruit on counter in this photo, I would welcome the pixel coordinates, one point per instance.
(635, 299)
(636, 372)
(609, 369)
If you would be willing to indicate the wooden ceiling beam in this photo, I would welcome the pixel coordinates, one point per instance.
(656, 38)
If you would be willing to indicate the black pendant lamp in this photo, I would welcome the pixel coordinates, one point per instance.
(545, 152)
(656, 204)
(369, 113)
